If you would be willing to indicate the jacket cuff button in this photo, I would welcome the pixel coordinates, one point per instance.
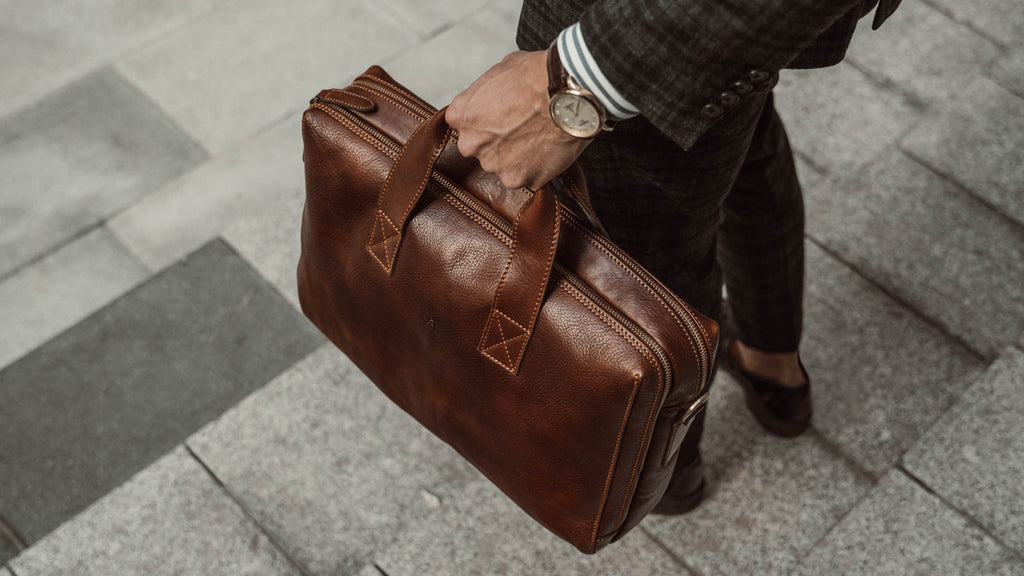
(729, 98)
(742, 88)
(757, 76)
(712, 111)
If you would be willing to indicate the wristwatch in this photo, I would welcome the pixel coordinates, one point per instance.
(573, 108)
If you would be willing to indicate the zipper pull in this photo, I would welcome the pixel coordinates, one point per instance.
(348, 100)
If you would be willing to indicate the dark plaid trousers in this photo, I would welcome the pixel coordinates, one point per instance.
(730, 209)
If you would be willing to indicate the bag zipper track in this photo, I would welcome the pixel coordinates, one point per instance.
(671, 300)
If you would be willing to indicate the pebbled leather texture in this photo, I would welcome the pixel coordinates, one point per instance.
(502, 320)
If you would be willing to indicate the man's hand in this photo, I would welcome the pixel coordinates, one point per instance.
(503, 121)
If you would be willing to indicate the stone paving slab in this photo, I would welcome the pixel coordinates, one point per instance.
(901, 529)
(882, 376)
(442, 67)
(430, 18)
(478, 530)
(974, 457)
(936, 55)
(82, 413)
(327, 464)
(44, 46)
(1009, 71)
(979, 142)
(270, 242)
(838, 118)
(770, 499)
(1001, 20)
(227, 76)
(930, 243)
(170, 519)
(189, 212)
(78, 156)
(50, 296)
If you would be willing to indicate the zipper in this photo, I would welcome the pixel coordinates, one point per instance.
(683, 312)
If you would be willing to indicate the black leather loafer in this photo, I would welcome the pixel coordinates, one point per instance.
(686, 489)
(782, 410)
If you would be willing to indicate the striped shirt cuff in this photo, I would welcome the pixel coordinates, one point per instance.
(578, 62)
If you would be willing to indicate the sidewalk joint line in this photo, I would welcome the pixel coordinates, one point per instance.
(835, 449)
(964, 189)
(248, 514)
(959, 511)
(9, 533)
(971, 351)
(664, 548)
(883, 83)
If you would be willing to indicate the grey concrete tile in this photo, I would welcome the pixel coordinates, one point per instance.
(270, 242)
(44, 299)
(770, 499)
(194, 209)
(875, 403)
(1001, 20)
(89, 408)
(478, 530)
(937, 56)
(974, 457)
(79, 156)
(44, 46)
(428, 19)
(328, 464)
(979, 142)
(902, 529)
(1008, 71)
(170, 519)
(929, 243)
(838, 118)
(4, 572)
(227, 76)
(444, 66)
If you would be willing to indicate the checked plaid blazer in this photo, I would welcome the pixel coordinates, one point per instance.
(671, 58)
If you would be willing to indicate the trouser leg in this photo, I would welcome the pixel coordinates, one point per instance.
(761, 242)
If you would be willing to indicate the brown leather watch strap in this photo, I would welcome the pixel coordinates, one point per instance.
(558, 78)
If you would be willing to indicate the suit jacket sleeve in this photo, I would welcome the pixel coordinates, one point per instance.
(674, 59)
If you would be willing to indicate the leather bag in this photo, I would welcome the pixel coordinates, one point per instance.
(504, 321)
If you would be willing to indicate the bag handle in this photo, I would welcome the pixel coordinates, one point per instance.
(520, 291)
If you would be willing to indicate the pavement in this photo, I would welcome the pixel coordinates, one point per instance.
(166, 409)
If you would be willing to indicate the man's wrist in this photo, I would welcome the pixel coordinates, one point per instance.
(580, 64)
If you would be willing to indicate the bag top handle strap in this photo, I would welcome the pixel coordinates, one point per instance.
(405, 184)
(520, 291)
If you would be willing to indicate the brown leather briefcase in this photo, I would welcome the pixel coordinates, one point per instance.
(504, 321)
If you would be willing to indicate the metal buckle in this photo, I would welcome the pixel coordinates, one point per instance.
(681, 426)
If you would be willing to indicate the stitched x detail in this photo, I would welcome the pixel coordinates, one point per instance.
(504, 341)
(384, 240)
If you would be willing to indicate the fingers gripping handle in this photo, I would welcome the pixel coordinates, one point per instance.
(520, 291)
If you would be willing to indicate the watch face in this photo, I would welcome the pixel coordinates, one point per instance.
(576, 115)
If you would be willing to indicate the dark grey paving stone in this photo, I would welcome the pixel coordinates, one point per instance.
(1001, 20)
(329, 465)
(171, 519)
(901, 529)
(76, 157)
(839, 119)
(478, 530)
(7, 551)
(937, 55)
(769, 499)
(974, 457)
(931, 244)
(83, 412)
(882, 375)
(979, 142)
(1009, 71)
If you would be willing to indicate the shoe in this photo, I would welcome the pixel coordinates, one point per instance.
(686, 489)
(782, 410)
